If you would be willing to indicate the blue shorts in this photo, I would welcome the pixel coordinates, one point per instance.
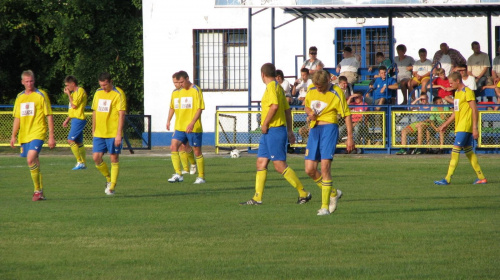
(194, 138)
(322, 142)
(33, 145)
(76, 131)
(463, 139)
(103, 145)
(273, 144)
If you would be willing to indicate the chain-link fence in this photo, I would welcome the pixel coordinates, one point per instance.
(408, 129)
(137, 130)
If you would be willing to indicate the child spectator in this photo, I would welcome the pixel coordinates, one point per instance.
(443, 85)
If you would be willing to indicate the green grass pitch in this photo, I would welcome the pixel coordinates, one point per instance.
(391, 223)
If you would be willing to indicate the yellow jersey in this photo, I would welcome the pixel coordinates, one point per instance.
(32, 109)
(327, 105)
(106, 106)
(189, 102)
(79, 100)
(274, 94)
(463, 112)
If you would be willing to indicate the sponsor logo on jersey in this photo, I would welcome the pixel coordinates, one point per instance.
(104, 105)
(27, 109)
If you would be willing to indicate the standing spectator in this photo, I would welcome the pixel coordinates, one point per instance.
(405, 67)
(76, 114)
(276, 125)
(449, 58)
(421, 73)
(443, 85)
(478, 65)
(313, 63)
(188, 127)
(185, 158)
(32, 115)
(109, 105)
(465, 115)
(322, 105)
(300, 87)
(348, 67)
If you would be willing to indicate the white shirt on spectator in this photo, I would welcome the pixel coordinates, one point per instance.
(302, 88)
(470, 82)
(422, 68)
(350, 64)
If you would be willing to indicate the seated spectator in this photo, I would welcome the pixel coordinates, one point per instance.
(418, 128)
(478, 65)
(359, 123)
(436, 120)
(405, 67)
(383, 88)
(300, 87)
(442, 84)
(280, 78)
(421, 73)
(469, 81)
(348, 67)
(313, 63)
(381, 60)
(497, 92)
(342, 80)
(495, 69)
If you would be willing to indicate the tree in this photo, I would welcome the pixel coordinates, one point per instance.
(78, 37)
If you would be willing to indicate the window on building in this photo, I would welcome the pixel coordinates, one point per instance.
(221, 59)
(365, 41)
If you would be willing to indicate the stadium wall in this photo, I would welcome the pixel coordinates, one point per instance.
(168, 47)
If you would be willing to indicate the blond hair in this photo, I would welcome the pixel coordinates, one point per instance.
(320, 78)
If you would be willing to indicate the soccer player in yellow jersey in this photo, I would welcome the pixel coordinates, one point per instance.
(465, 115)
(323, 103)
(276, 125)
(109, 107)
(77, 101)
(32, 115)
(183, 156)
(188, 126)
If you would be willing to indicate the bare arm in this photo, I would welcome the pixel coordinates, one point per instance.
(190, 126)
(52, 139)
(170, 115)
(350, 142)
(121, 121)
(289, 126)
(15, 129)
(443, 127)
(475, 117)
(272, 111)
(93, 123)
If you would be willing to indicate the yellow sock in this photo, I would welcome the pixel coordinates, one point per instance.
(184, 161)
(455, 156)
(334, 192)
(83, 153)
(103, 168)
(473, 161)
(115, 170)
(292, 178)
(326, 189)
(190, 156)
(176, 162)
(35, 176)
(260, 181)
(75, 151)
(200, 162)
(319, 182)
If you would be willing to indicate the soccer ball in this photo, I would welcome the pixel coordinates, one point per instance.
(235, 153)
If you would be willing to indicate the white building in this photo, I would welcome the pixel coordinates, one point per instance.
(170, 41)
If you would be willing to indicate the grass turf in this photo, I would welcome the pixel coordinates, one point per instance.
(392, 222)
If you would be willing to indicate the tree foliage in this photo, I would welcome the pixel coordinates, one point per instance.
(55, 38)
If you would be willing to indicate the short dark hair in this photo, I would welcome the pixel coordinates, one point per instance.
(105, 76)
(174, 76)
(279, 73)
(313, 48)
(401, 47)
(268, 69)
(436, 99)
(305, 70)
(342, 78)
(382, 67)
(347, 49)
(71, 79)
(422, 50)
(378, 54)
(182, 74)
(474, 43)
